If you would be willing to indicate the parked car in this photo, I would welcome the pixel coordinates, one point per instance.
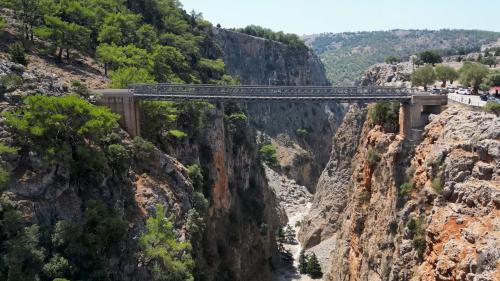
(451, 89)
(444, 91)
(484, 97)
(435, 91)
(463, 91)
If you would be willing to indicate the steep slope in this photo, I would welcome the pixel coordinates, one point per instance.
(347, 55)
(444, 227)
(307, 127)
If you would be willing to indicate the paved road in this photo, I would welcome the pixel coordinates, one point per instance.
(467, 99)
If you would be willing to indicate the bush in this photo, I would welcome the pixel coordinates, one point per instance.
(313, 267)
(373, 158)
(3, 24)
(80, 89)
(302, 132)
(418, 234)
(238, 117)
(405, 189)
(392, 60)
(18, 54)
(177, 134)
(385, 114)
(437, 185)
(493, 106)
(142, 149)
(4, 174)
(118, 156)
(269, 154)
(165, 255)
(194, 173)
(10, 83)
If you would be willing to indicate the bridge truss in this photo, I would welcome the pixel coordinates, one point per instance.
(188, 92)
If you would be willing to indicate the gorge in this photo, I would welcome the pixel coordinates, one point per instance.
(206, 190)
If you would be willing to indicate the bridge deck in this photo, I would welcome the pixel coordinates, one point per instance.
(269, 93)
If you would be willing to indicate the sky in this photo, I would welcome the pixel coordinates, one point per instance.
(318, 16)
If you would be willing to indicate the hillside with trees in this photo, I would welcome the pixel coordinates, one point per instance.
(135, 41)
(347, 55)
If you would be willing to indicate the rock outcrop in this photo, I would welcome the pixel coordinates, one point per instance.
(442, 226)
(310, 127)
(383, 74)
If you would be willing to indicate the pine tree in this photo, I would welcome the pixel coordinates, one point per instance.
(313, 267)
(302, 263)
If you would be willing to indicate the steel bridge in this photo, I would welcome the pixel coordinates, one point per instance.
(178, 92)
(414, 111)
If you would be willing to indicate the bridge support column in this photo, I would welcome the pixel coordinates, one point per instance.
(405, 119)
(414, 115)
(123, 103)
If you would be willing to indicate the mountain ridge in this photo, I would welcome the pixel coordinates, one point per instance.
(347, 55)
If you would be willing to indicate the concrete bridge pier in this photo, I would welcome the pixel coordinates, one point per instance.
(122, 102)
(414, 115)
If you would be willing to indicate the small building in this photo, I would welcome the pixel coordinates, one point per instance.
(495, 91)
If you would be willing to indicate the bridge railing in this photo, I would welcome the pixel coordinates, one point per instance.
(157, 90)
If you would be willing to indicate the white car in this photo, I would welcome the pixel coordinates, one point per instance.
(463, 92)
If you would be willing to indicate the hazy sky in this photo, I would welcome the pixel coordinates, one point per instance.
(316, 16)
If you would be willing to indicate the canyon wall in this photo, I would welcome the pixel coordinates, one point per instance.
(388, 209)
(301, 132)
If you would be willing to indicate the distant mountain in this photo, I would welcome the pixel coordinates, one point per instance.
(347, 55)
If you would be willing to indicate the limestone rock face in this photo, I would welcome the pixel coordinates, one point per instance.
(330, 198)
(445, 228)
(310, 127)
(383, 74)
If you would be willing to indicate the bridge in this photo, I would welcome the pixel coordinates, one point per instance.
(414, 110)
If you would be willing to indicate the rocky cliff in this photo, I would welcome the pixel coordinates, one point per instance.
(302, 132)
(239, 238)
(400, 213)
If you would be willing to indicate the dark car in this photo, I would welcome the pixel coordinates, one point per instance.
(444, 91)
(435, 91)
(484, 97)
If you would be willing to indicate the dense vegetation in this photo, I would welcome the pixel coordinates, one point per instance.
(64, 250)
(136, 41)
(347, 55)
(285, 38)
(385, 114)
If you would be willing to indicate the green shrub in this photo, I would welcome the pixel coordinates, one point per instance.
(405, 189)
(177, 134)
(269, 154)
(57, 266)
(238, 117)
(302, 132)
(313, 267)
(418, 235)
(3, 24)
(373, 158)
(194, 173)
(4, 174)
(80, 89)
(165, 255)
(142, 149)
(493, 106)
(118, 156)
(437, 185)
(385, 114)
(18, 54)
(10, 83)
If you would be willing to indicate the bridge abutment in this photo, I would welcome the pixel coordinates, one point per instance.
(122, 102)
(414, 115)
